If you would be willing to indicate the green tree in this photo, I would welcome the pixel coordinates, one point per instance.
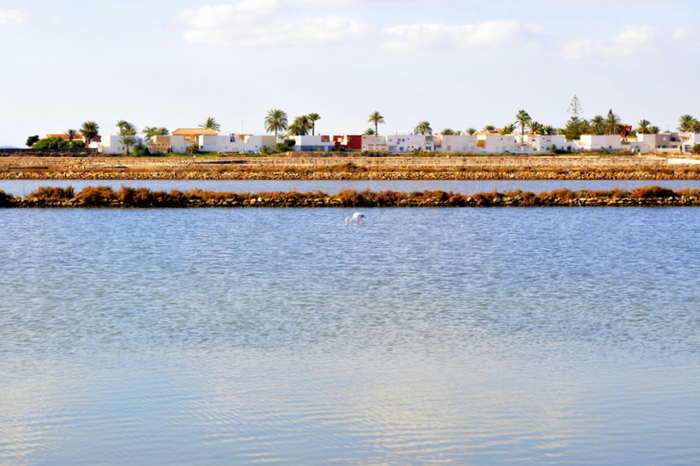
(275, 121)
(53, 142)
(654, 130)
(507, 129)
(423, 127)
(313, 118)
(151, 131)
(127, 134)
(549, 130)
(490, 128)
(689, 124)
(211, 124)
(369, 132)
(71, 134)
(613, 124)
(597, 125)
(89, 130)
(536, 128)
(376, 118)
(300, 126)
(31, 140)
(471, 131)
(643, 127)
(523, 119)
(447, 132)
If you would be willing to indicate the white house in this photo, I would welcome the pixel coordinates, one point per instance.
(536, 143)
(313, 143)
(595, 142)
(495, 143)
(455, 143)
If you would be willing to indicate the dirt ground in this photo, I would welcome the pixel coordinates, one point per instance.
(300, 167)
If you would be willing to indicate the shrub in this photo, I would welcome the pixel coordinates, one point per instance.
(193, 149)
(4, 198)
(649, 192)
(140, 150)
(46, 192)
(96, 195)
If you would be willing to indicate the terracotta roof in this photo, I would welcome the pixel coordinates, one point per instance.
(195, 132)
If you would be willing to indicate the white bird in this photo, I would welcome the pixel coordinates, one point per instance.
(356, 219)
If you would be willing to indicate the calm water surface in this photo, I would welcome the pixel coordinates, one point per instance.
(427, 336)
(24, 187)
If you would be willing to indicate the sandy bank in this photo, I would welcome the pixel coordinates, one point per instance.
(300, 167)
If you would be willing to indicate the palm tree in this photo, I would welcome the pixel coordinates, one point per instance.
(549, 130)
(376, 118)
(211, 124)
(313, 118)
(127, 134)
(654, 130)
(471, 131)
(300, 126)
(276, 121)
(423, 127)
(490, 128)
(507, 129)
(71, 134)
(447, 132)
(369, 132)
(597, 124)
(643, 127)
(90, 129)
(151, 131)
(612, 123)
(523, 119)
(536, 128)
(689, 124)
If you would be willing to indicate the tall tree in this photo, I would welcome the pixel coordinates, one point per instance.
(689, 124)
(275, 121)
(523, 119)
(211, 124)
(376, 118)
(423, 127)
(575, 109)
(71, 135)
(507, 129)
(300, 126)
(643, 127)
(612, 123)
(127, 134)
(89, 130)
(313, 118)
(536, 128)
(597, 125)
(151, 131)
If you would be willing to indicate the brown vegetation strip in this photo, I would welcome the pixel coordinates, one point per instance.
(105, 196)
(355, 167)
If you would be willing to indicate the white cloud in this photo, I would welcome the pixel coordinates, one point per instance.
(493, 33)
(12, 17)
(631, 41)
(687, 36)
(261, 23)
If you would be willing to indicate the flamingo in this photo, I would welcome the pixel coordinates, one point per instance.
(356, 219)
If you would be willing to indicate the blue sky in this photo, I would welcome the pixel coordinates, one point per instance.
(455, 63)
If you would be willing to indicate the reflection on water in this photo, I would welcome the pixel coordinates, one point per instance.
(214, 336)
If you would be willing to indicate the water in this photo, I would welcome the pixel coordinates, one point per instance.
(427, 336)
(24, 187)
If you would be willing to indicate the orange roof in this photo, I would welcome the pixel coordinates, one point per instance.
(195, 132)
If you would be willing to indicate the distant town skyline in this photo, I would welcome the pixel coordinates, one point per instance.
(455, 63)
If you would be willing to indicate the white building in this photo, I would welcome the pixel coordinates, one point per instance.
(313, 143)
(595, 142)
(455, 143)
(495, 143)
(537, 144)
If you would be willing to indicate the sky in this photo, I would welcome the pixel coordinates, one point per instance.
(455, 63)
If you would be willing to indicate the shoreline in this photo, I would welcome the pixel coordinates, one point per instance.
(106, 197)
(353, 167)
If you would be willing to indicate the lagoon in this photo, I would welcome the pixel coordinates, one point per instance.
(247, 336)
(24, 187)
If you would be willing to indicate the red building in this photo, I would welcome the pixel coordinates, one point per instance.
(348, 142)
